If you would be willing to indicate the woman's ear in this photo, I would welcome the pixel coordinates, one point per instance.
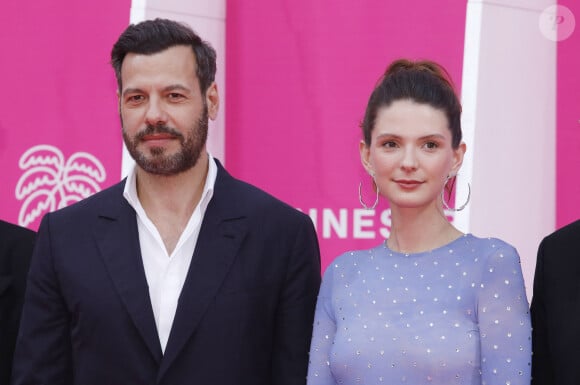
(365, 154)
(458, 155)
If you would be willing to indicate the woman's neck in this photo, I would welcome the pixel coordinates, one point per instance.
(414, 230)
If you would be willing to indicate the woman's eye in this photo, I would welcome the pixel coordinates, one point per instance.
(431, 145)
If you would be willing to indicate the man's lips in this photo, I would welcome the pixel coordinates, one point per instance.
(161, 136)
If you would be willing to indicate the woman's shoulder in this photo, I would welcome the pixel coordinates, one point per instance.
(360, 255)
(352, 260)
(488, 241)
(490, 246)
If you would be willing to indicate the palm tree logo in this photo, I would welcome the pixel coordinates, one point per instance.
(50, 182)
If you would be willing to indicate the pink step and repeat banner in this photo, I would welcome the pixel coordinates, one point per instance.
(568, 114)
(60, 137)
(298, 77)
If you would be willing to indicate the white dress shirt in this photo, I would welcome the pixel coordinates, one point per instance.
(166, 273)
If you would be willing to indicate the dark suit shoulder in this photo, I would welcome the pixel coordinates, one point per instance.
(16, 247)
(561, 249)
(104, 201)
(568, 234)
(11, 233)
(15, 240)
(260, 202)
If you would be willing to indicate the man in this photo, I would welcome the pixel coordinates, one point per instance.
(181, 274)
(16, 244)
(555, 309)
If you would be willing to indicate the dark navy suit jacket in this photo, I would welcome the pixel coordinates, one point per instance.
(555, 309)
(244, 315)
(16, 244)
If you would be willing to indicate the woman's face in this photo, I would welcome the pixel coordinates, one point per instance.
(411, 154)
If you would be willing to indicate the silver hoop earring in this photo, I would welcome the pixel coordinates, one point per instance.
(360, 198)
(446, 205)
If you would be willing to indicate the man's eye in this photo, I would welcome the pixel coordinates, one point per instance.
(390, 144)
(135, 98)
(174, 95)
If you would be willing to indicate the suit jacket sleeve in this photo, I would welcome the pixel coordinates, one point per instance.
(42, 353)
(16, 245)
(542, 371)
(295, 312)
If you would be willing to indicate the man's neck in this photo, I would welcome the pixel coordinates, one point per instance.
(169, 201)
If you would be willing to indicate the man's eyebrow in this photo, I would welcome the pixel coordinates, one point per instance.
(132, 91)
(171, 87)
(174, 87)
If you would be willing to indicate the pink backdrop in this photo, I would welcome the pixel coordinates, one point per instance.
(59, 131)
(298, 80)
(568, 123)
(298, 77)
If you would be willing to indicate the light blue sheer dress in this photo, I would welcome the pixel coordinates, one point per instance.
(454, 315)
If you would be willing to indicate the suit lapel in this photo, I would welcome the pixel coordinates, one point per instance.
(118, 242)
(222, 232)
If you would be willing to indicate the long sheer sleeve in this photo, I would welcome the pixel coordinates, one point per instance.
(504, 320)
(323, 334)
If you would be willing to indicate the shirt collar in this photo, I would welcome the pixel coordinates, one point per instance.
(130, 191)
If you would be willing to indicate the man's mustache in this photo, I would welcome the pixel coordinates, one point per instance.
(158, 129)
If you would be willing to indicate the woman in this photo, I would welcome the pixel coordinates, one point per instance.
(429, 305)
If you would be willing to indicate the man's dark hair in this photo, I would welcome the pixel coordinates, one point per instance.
(153, 36)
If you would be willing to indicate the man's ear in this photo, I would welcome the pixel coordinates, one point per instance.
(212, 100)
(119, 101)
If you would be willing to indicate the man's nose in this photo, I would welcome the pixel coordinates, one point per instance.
(156, 113)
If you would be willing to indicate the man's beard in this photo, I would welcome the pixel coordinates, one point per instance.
(156, 161)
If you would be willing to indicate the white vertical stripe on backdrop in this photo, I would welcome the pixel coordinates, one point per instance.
(469, 78)
(509, 103)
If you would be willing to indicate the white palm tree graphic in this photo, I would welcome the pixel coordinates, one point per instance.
(50, 183)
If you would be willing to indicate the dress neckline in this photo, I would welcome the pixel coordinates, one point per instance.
(420, 253)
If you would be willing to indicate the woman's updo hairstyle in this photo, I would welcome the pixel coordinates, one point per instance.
(423, 82)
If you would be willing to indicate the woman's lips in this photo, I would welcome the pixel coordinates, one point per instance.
(408, 183)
